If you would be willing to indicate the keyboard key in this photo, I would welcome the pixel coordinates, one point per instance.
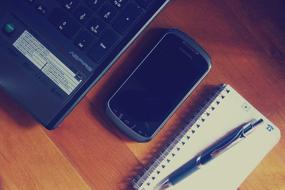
(64, 23)
(82, 14)
(94, 4)
(69, 4)
(30, 1)
(83, 39)
(129, 14)
(96, 26)
(144, 3)
(101, 47)
(41, 9)
(107, 12)
(119, 3)
(9, 28)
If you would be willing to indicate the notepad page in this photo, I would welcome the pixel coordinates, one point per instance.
(228, 111)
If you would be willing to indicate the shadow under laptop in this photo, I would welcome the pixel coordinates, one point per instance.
(11, 111)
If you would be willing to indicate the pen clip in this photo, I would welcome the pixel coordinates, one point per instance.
(240, 133)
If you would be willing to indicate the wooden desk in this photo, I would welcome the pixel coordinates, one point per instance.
(247, 43)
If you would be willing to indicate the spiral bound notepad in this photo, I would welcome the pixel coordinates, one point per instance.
(225, 110)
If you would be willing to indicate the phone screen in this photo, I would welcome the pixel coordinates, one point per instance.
(158, 85)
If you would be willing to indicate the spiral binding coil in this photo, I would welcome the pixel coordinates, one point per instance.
(181, 139)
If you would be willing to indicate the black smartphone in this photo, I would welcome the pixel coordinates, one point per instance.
(160, 83)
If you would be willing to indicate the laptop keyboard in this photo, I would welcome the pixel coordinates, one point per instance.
(95, 26)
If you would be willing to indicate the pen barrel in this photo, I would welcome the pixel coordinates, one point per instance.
(185, 170)
(214, 150)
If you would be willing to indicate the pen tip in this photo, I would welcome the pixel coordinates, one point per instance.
(258, 122)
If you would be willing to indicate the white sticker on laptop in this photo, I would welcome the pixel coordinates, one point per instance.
(47, 62)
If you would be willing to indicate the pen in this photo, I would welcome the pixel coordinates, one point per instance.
(210, 153)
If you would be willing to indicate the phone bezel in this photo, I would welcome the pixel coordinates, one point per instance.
(194, 46)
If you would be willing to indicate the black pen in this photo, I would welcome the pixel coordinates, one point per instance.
(214, 150)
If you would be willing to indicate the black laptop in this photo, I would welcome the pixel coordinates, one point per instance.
(53, 51)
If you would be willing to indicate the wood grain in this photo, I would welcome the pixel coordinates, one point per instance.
(246, 40)
(29, 159)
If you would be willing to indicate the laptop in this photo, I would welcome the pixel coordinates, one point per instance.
(53, 51)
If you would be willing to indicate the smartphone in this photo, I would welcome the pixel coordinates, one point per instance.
(160, 83)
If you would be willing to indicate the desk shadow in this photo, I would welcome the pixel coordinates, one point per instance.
(15, 111)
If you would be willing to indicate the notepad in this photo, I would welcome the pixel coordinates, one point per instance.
(226, 110)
